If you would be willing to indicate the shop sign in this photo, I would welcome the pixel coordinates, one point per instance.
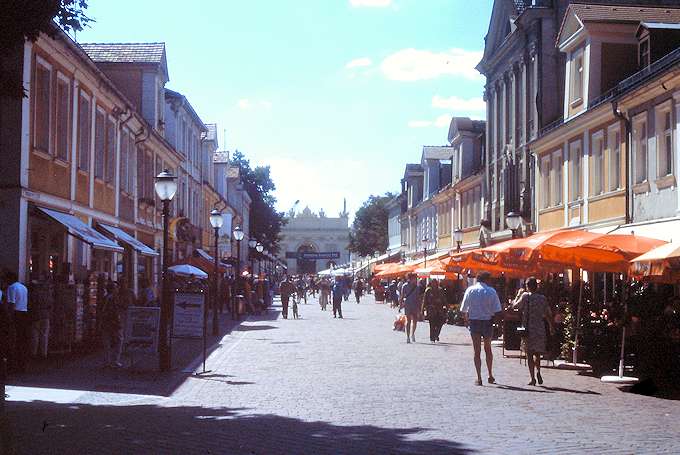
(188, 315)
(141, 329)
(312, 255)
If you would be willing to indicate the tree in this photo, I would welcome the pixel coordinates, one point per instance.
(369, 229)
(265, 221)
(24, 20)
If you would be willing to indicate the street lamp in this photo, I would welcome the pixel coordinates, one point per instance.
(252, 243)
(514, 221)
(458, 238)
(216, 221)
(259, 248)
(238, 236)
(165, 187)
(424, 252)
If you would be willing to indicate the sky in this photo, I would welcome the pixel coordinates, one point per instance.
(335, 95)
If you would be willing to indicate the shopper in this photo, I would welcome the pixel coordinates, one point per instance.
(286, 289)
(411, 302)
(146, 294)
(17, 299)
(480, 304)
(358, 289)
(338, 292)
(434, 307)
(325, 292)
(112, 325)
(536, 315)
(40, 309)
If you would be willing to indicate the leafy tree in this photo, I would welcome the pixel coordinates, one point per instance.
(265, 221)
(25, 20)
(369, 229)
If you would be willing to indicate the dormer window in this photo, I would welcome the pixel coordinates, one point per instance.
(644, 53)
(576, 79)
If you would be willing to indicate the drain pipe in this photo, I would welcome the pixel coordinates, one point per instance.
(617, 113)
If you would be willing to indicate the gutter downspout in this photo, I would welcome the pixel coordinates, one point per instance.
(617, 113)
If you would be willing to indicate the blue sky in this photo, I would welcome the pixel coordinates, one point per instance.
(335, 95)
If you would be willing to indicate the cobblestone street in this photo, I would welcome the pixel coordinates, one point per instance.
(353, 386)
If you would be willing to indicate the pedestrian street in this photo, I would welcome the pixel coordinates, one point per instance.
(319, 385)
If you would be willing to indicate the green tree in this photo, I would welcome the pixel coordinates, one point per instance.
(25, 20)
(265, 221)
(369, 229)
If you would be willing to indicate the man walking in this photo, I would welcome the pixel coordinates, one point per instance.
(286, 289)
(410, 302)
(338, 294)
(17, 299)
(480, 304)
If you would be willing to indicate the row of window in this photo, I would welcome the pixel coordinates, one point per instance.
(471, 207)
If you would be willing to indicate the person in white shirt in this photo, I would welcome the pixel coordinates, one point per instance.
(17, 299)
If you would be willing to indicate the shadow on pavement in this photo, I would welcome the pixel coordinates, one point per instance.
(41, 427)
(249, 328)
(521, 389)
(562, 389)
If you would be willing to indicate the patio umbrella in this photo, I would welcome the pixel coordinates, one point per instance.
(188, 271)
(662, 263)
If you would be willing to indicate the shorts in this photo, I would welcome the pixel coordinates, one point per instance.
(481, 327)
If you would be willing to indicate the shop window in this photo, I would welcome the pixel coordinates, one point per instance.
(596, 164)
(99, 144)
(640, 148)
(43, 97)
(575, 171)
(63, 118)
(614, 147)
(84, 130)
(664, 137)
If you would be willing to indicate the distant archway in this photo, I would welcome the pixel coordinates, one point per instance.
(306, 266)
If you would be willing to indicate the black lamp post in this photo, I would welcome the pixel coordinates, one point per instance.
(514, 221)
(216, 221)
(458, 238)
(252, 243)
(165, 187)
(259, 248)
(238, 236)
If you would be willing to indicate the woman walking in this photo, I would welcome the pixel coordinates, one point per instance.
(536, 314)
(435, 309)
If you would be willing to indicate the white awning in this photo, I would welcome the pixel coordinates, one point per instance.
(129, 240)
(667, 230)
(200, 252)
(78, 229)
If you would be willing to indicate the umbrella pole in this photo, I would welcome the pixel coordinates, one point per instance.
(621, 379)
(578, 318)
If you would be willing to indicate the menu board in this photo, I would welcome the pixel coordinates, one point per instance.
(141, 329)
(188, 315)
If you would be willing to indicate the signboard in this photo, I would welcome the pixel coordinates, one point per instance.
(188, 314)
(312, 255)
(141, 329)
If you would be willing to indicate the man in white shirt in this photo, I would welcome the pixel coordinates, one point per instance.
(480, 304)
(17, 299)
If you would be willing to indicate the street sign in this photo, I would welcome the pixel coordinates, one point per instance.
(188, 315)
(141, 329)
(312, 255)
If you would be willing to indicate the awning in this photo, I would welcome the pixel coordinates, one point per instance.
(666, 230)
(78, 229)
(129, 240)
(203, 254)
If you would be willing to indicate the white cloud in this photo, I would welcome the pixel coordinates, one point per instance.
(415, 65)
(359, 63)
(442, 121)
(419, 123)
(370, 3)
(459, 104)
(244, 103)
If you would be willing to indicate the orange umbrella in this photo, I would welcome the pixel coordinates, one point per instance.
(597, 252)
(661, 263)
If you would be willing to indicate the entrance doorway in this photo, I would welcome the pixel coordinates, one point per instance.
(306, 266)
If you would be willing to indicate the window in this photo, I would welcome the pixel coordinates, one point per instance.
(148, 176)
(614, 146)
(640, 148)
(43, 95)
(99, 144)
(63, 118)
(644, 54)
(84, 129)
(575, 171)
(124, 157)
(110, 163)
(557, 164)
(597, 164)
(546, 167)
(664, 138)
(576, 78)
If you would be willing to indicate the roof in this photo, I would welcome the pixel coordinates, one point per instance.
(125, 52)
(185, 102)
(631, 14)
(441, 152)
(660, 25)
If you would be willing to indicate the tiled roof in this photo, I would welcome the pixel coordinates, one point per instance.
(632, 14)
(125, 52)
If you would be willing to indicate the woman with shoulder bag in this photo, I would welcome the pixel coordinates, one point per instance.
(535, 313)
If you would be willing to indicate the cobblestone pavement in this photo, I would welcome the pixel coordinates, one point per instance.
(353, 386)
